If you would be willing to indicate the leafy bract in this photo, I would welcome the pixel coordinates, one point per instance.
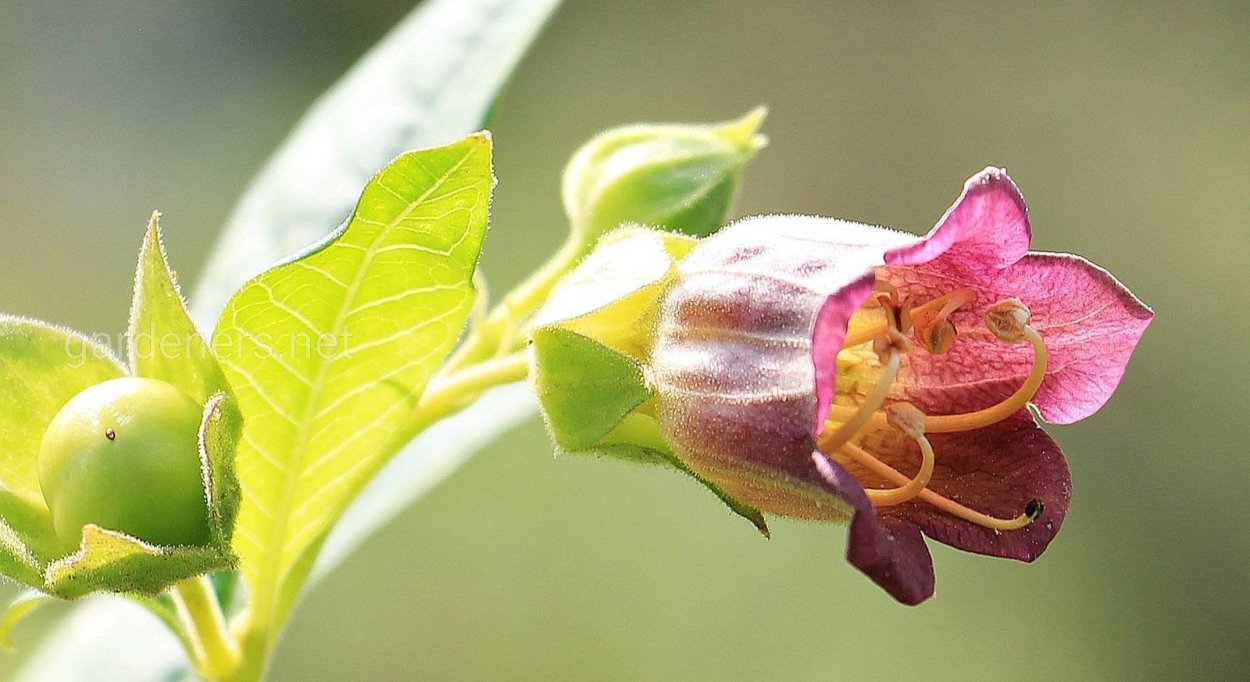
(162, 341)
(586, 388)
(116, 562)
(41, 368)
(329, 352)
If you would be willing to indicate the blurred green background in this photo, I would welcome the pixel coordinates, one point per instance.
(1125, 124)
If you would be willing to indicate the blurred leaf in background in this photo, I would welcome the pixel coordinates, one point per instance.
(1124, 124)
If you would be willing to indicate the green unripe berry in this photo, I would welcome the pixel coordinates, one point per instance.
(124, 456)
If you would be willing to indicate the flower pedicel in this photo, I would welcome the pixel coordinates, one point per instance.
(835, 371)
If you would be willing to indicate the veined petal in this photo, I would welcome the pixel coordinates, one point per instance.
(986, 229)
(1090, 322)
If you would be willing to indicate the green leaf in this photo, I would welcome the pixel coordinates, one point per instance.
(433, 79)
(24, 604)
(424, 84)
(41, 368)
(115, 562)
(162, 341)
(586, 388)
(329, 352)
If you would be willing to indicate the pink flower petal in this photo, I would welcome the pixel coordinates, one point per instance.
(996, 470)
(828, 333)
(987, 228)
(1089, 321)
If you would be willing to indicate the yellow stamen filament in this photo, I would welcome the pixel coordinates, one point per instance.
(865, 458)
(830, 442)
(949, 423)
(1009, 322)
(907, 491)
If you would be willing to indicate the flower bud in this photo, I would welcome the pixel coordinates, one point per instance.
(677, 177)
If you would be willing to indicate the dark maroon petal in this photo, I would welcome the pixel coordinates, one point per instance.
(891, 551)
(997, 470)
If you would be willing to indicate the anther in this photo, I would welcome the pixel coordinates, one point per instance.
(110, 434)
(907, 418)
(934, 331)
(923, 315)
(1008, 320)
(938, 338)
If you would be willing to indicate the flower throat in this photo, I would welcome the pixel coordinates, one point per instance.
(929, 327)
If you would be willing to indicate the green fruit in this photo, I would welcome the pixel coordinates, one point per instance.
(124, 455)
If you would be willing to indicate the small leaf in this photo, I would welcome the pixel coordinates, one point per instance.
(115, 562)
(22, 606)
(328, 352)
(162, 341)
(41, 368)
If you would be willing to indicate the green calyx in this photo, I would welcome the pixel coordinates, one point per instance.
(589, 349)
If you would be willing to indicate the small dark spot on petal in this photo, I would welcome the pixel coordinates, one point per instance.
(1034, 509)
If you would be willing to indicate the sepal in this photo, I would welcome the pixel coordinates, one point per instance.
(589, 348)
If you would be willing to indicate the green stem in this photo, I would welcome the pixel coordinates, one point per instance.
(216, 653)
(451, 393)
(504, 321)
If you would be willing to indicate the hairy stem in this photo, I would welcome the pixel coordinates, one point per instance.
(216, 653)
